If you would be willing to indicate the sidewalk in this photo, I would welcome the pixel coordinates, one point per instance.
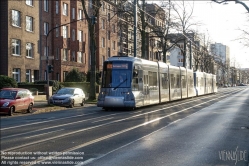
(41, 105)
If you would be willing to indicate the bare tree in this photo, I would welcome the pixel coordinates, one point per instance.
(91, 11)
(167, 40)
(184, 22)
(236, 1)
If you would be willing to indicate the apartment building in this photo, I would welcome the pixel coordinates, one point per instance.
(19, 40)
(106, 33)
(154, 22)
(155, 31)
(64, 38)
(38, 33)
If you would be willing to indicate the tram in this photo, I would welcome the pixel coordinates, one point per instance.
(131, 82)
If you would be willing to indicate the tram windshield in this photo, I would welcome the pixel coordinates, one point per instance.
(117, 74)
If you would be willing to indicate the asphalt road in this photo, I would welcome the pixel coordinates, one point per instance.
(207, 130)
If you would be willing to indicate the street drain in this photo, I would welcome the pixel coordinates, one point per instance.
(244, 127)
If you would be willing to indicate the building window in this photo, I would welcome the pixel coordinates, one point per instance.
(80, 14)
(29, 23)
(29, 50)
(109, 35)
(113, 45)
(80, 36)
(29, 2)
(65, 54)
(28, 75)
(45, 75)
(57, 31)
(109, 52)
(73, 13)
(65, 8)
(79, 59)
(46, 51)
(16, 18)
(73, 34)
(58, 76)
(103, 6)
(56, 7)
(46, 5)
(57, 53)
(113, 28)
(16, 47)
(16, 75)
(65, 33)
(84, 58)
(103, 42)
(73, 56)
(64, 75)
(103, 59)
(46, 26)
(103, 23)
(109, 17)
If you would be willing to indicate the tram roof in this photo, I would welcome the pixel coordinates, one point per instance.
(125, 58)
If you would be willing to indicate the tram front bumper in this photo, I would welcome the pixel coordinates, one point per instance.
(114, 101)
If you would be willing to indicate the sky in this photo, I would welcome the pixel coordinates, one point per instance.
(221, 23)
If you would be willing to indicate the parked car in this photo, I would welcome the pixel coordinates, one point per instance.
(15, 99)
(68, 97)
(242, 84)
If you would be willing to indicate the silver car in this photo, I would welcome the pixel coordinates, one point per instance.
(68, 97)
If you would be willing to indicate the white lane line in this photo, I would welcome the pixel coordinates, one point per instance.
(65, 124)
(102, 120)
(193, 100)
(86, 162)
(125, 130)
(78, 131)
(1, 129)
(44, 133)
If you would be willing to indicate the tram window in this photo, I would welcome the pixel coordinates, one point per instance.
(135, 73)
(183, 81)
(152, 80)
(172, 80)
(135, 84)
(164, 81)
(178, 81)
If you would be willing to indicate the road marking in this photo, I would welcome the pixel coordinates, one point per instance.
(102, 120)
(44, 133)
(65, 124)
(1, 129)
(89, 128)
(128, 129)
(123, 131)
(192, 100)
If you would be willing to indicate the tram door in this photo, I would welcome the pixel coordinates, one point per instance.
(146, 90)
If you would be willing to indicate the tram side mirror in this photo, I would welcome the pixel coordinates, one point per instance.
(135, 74)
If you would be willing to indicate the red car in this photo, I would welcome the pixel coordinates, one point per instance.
(15, 99)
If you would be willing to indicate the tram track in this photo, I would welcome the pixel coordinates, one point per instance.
(111, 135)
(117, 121)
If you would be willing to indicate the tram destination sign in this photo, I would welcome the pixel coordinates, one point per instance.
(117, 66)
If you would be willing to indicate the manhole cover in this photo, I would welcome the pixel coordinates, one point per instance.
(244, 127)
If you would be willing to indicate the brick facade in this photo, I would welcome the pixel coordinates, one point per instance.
(27, 65)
